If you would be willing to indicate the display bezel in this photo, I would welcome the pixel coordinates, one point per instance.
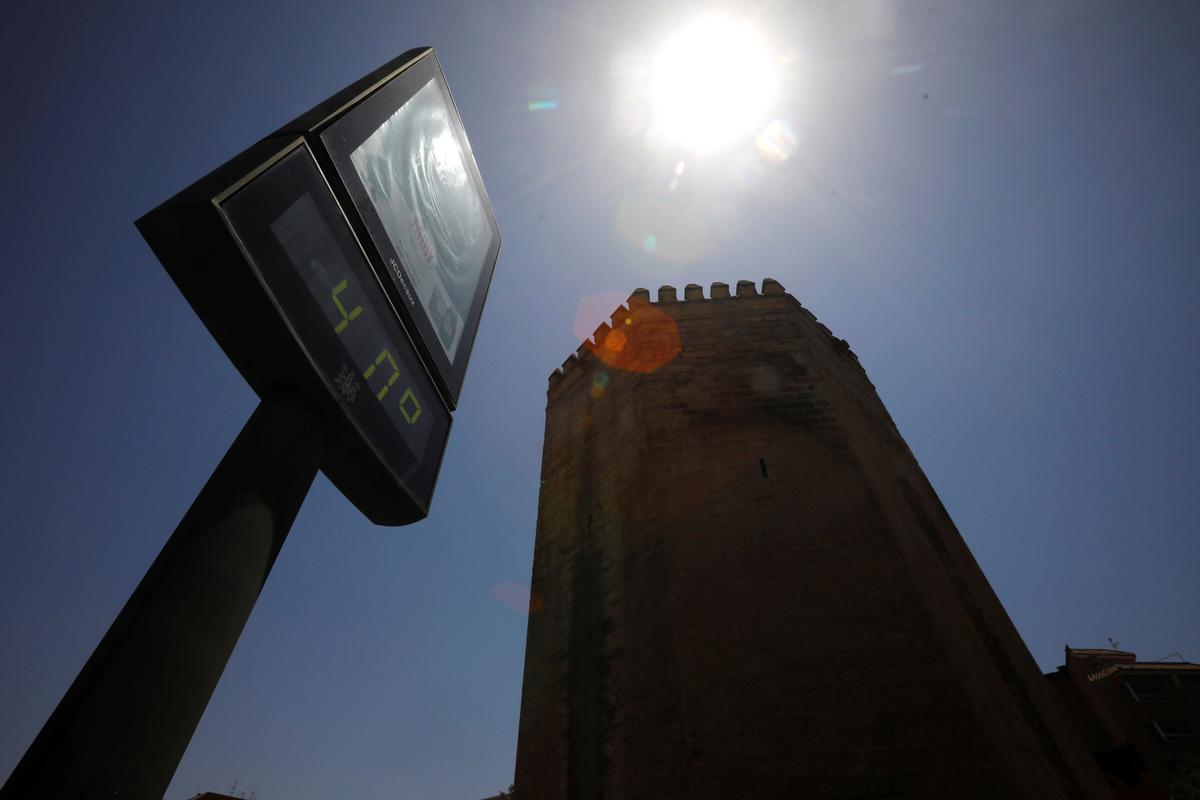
(339, 138)
(292, 173)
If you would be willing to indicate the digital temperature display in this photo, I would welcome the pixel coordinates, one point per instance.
(335, 288)
(302, 248)
(343, 261)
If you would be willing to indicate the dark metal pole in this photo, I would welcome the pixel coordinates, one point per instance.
(124, 724)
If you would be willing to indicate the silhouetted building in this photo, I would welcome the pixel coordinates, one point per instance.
(1139, 718)
(746, 587)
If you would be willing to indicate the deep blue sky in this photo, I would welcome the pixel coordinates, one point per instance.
(996, 205)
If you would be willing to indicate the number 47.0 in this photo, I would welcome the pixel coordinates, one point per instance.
(409, 397)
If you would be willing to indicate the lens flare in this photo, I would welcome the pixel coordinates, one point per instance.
(518, 597)
(615, 340)
(599, 384)
(671, 228)
(594, 309)
(542, 99)
(777, 142)
(648, 341)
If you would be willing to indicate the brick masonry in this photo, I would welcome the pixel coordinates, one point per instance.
(744, 585)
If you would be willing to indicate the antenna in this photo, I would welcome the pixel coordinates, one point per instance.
(1115, 645)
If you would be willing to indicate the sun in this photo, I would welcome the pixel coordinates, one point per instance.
(712, 84)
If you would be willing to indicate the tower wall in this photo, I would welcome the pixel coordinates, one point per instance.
(744, 585)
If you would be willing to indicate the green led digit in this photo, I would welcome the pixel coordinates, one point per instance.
(395, 376)
(414, 415)
(346, 317)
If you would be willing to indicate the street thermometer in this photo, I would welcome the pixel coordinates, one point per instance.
(342, 264)
(345, 260)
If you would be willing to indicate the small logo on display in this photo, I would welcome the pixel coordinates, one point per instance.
(347, 383)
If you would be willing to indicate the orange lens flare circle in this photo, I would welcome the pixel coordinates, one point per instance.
(615, 340)
(647, 340)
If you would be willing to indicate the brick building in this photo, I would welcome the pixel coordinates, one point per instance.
(744, 585)
(1139, 718)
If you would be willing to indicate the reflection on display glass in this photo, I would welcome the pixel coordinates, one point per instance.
(373, 372)
(414, 170)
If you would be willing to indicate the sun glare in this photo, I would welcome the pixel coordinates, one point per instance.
(712, 83)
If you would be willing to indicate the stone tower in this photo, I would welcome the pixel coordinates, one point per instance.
(744, 586)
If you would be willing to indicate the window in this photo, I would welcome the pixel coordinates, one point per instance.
(1147, 687)
(1176, 730)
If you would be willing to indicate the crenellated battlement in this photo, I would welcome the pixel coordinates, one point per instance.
(668, 296)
